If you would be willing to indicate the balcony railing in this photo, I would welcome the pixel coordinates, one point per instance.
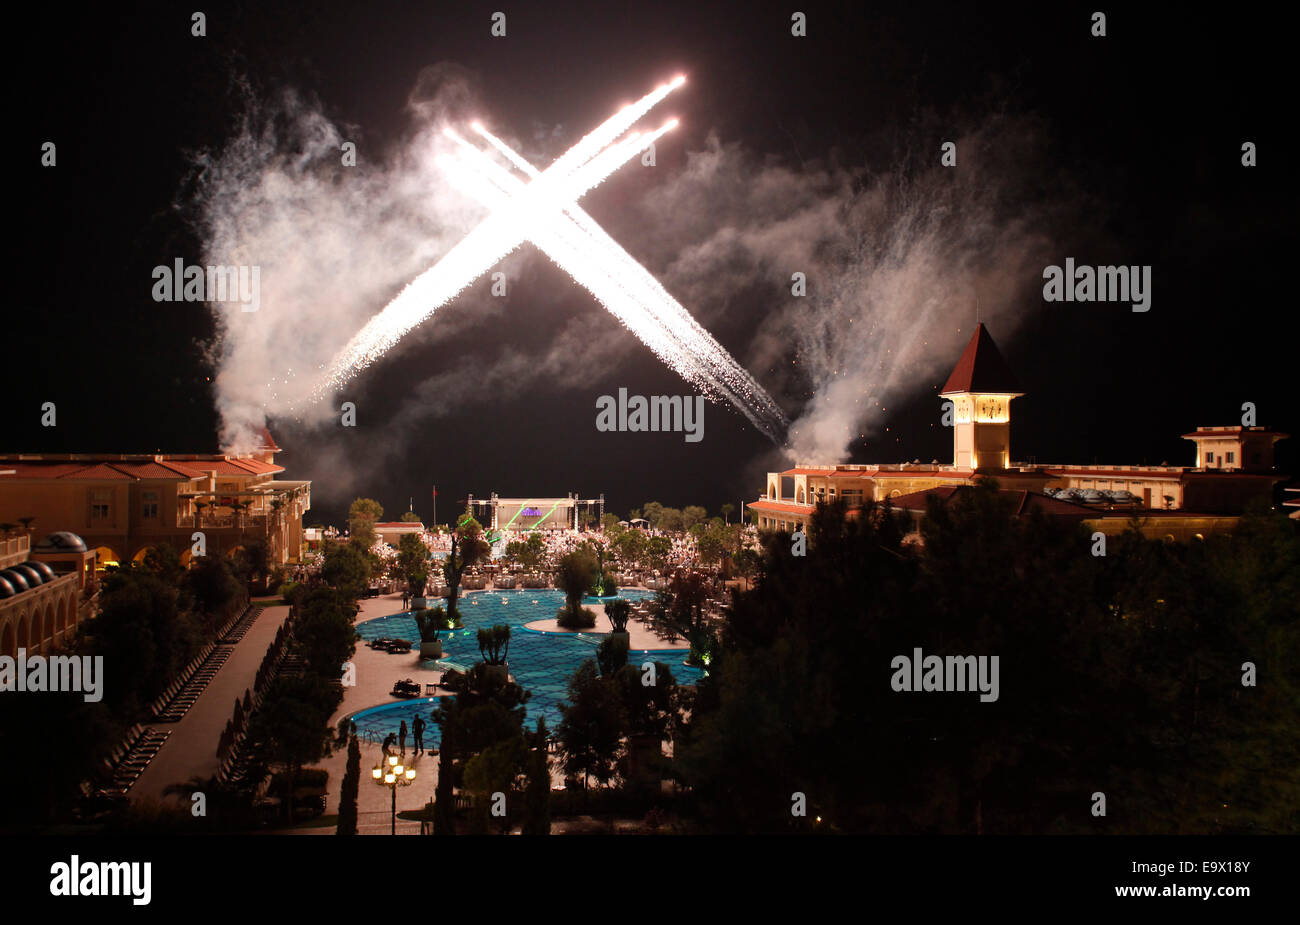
(15, 546)
(229, 521)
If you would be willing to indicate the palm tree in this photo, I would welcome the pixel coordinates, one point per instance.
(727, 510)
(27, 523)
(494, 644)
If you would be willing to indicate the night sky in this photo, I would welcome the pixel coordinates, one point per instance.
(1147, 123)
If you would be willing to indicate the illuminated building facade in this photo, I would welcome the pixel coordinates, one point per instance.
(1234, 466)
(122, 505)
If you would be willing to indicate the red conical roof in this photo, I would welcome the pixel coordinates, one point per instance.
(981, 369)
(266, 441)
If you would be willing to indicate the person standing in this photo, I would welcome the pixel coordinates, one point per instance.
(417, 729)
(401, 738)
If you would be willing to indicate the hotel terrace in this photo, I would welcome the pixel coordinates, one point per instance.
(1234, 466)
(124, 505)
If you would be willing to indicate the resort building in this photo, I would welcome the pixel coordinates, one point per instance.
(45, 591)
(1234, 466)
(122, 505)
(392, 531)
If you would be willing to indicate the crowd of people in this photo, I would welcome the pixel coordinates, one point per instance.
(682, 551)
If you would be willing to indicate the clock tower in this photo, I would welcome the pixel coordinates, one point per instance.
(981, 388)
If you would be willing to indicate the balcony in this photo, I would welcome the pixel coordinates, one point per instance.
(253, 520)
(14, 549)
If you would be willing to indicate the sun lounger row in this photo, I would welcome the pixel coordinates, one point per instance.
(186, 673)
(131, 756)
(235, 765)
(230, 624)
(237, 629)
(193, 686)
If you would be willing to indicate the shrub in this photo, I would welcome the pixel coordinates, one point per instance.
(580, 618)
(612, 655)
(292, 592)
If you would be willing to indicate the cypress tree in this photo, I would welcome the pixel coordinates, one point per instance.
(351, 784)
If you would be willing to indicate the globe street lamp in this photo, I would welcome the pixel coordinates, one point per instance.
(392, 777)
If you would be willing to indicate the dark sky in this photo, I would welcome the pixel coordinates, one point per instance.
(1148, 120)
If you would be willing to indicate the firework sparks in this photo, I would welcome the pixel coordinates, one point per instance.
(545, 212)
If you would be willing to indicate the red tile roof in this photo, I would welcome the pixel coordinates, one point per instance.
(266, 441)
(780, 507)
(157, 470)
(43, 470)
(1025, 501)
(981, 368)
(229, 465)
(118, 469)
(1236, 432)
(809, 471)
(957, 475)
(1172, 475)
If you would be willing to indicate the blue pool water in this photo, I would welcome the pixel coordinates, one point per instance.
(540, 662)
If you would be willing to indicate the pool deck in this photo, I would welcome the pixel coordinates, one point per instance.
(639, 636)
(191, 749)
(375, 673)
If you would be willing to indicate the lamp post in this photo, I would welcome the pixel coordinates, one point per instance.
(392, 777)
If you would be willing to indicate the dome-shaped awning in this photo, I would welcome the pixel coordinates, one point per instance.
(47, 573)
(62, 541)
(34, 578)
(19, 581)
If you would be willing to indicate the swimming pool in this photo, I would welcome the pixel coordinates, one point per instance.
(540, 662)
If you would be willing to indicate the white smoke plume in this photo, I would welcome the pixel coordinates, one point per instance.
(897, 264)
(333, 242)
(895, 259)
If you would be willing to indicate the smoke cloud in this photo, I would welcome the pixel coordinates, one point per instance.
(896, 263)
(895, 258)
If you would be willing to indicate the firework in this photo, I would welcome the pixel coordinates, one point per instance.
(544, 211)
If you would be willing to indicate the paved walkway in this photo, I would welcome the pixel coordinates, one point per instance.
(191, 749)
(375, 673)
